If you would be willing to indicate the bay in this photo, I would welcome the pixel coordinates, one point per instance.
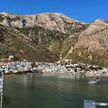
(37, 91)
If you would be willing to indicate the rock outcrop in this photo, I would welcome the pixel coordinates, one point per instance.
(50, 21)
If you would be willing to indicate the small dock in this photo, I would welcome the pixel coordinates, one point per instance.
(93, 104)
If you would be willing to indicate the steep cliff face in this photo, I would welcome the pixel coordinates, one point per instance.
(51, 35)
(55, 21)
(92, 44)
(95, 37)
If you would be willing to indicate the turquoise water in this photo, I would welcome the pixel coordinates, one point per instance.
(36, 91)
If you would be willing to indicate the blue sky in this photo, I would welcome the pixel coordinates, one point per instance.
(82, 10)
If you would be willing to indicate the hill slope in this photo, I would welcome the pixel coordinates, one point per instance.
(12, 42)
(47, 36)
(92, 44)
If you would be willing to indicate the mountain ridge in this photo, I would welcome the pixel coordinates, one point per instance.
(61, 35)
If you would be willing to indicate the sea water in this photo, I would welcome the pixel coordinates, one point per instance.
(37, 91)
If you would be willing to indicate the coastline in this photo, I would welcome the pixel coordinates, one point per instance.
(78, 70)
(59, 75)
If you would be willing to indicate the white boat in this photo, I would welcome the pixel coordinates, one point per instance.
(94, 81)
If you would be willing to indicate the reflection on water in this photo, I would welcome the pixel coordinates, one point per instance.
(36, 91)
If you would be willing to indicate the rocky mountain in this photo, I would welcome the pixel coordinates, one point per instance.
(50, 21)
(92, 44)
(47, 36)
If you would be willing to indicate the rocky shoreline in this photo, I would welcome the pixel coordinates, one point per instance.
(78, 70)
(73, 70)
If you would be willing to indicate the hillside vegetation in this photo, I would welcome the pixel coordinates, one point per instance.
(47, 36)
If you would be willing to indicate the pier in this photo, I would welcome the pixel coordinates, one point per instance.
(93, 104)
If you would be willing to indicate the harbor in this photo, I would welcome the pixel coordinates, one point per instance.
(73, 82)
